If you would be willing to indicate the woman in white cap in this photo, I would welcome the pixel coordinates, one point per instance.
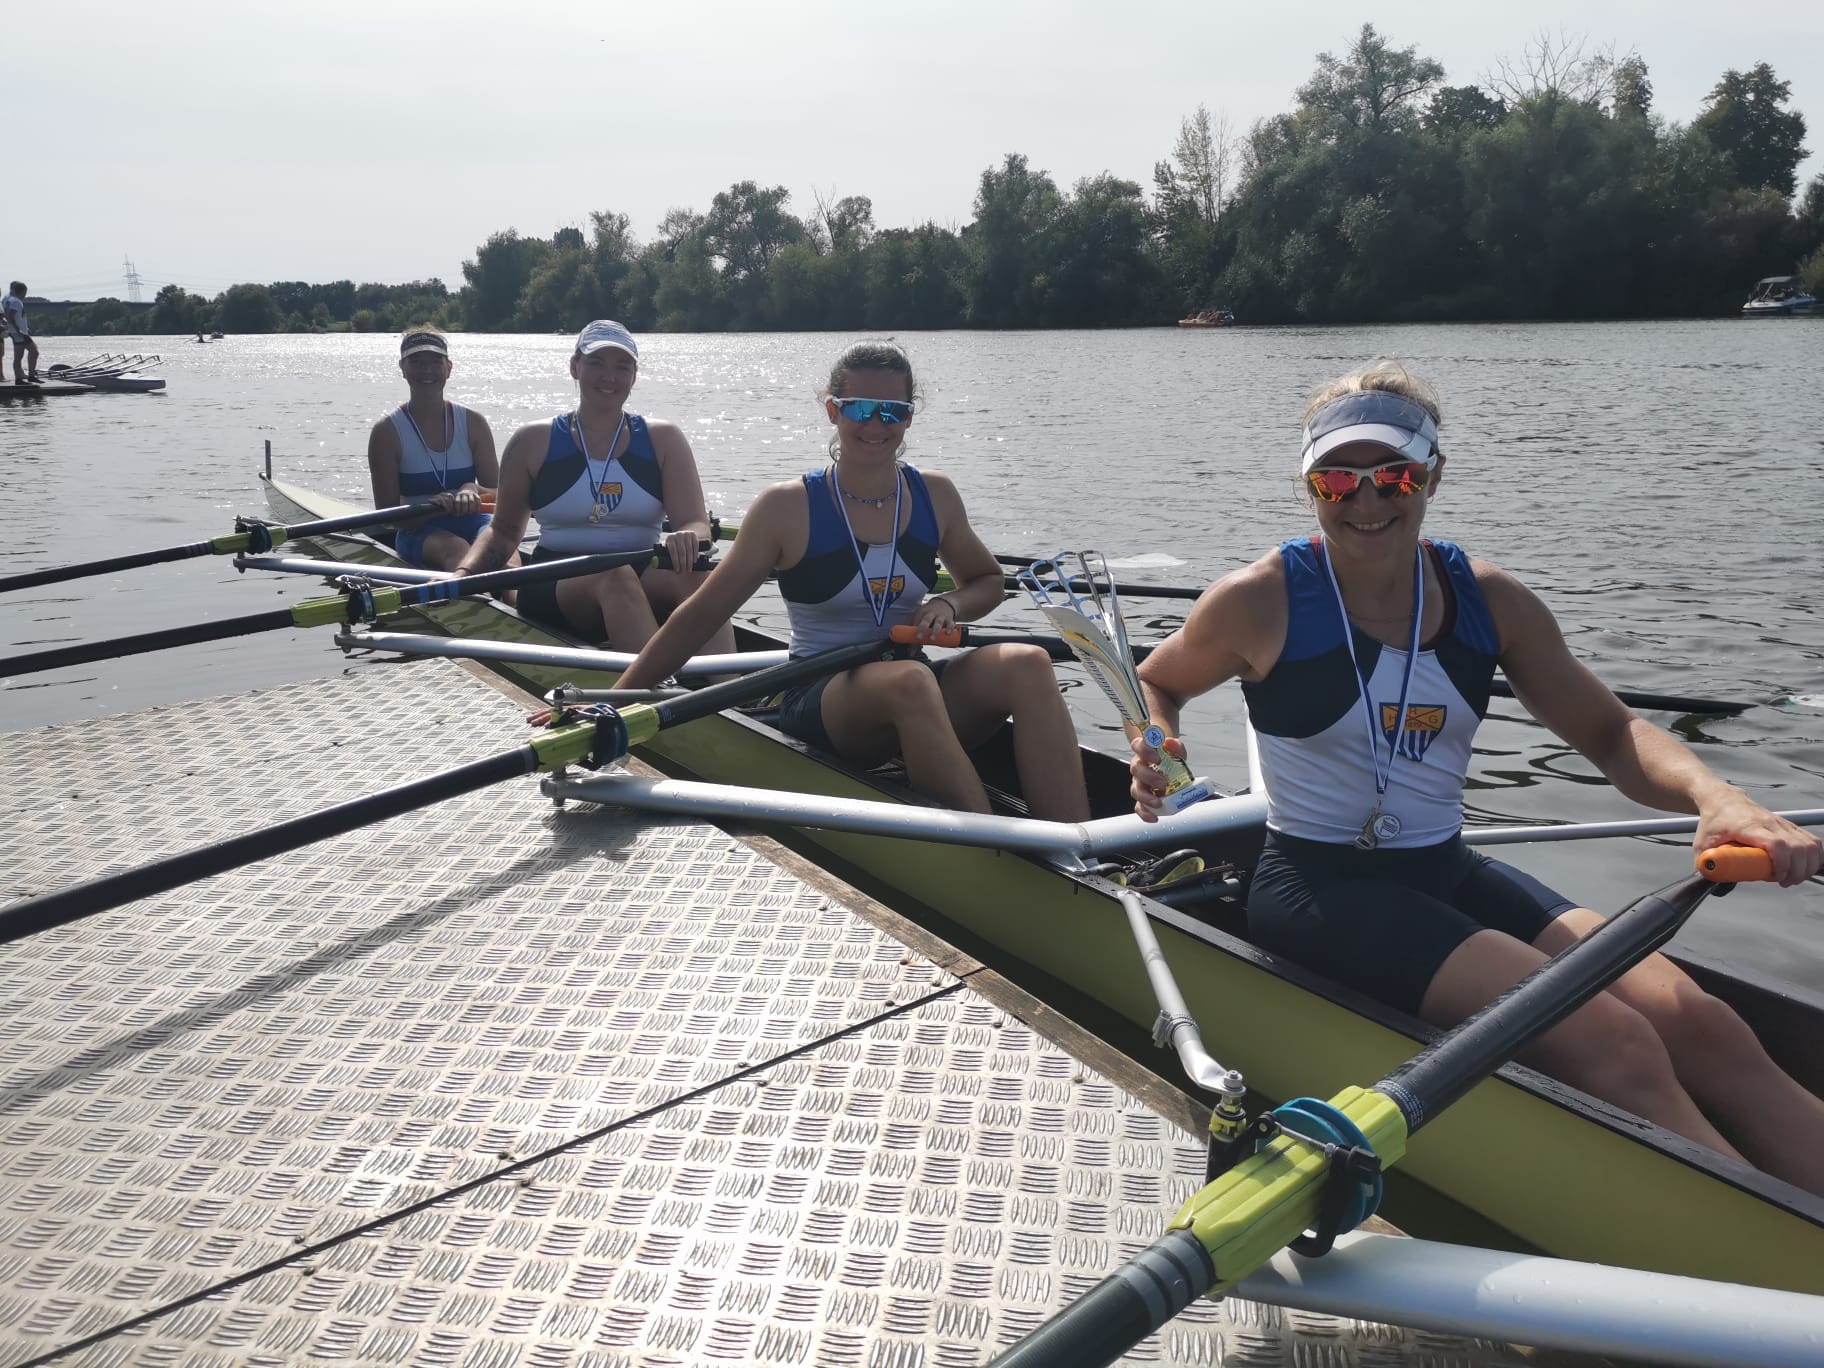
(429, 450)
(1366, 655)
(855, 547)
(602, 479)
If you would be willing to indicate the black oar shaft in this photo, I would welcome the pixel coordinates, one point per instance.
(764, 683)
(33, 579)
(1121, 1310)
(1438, 1076)
(161, 876)
(313, 612)
(240, 541)
(190, 634)
(1634, 698)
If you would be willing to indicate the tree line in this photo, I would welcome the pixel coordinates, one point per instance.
(1551, 188)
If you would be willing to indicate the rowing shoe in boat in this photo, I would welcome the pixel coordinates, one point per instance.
(1546, 1167)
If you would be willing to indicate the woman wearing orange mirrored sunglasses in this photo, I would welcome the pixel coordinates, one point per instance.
(1366, 654)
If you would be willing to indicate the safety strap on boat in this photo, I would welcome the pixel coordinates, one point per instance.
(1353, 1182)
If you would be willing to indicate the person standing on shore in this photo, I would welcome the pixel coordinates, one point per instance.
(602, 479)
(430, 450)
(12, 311)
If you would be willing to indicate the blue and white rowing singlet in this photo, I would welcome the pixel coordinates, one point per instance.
(1307, 712)
(631, 488)
(824, 595)
(423, 472)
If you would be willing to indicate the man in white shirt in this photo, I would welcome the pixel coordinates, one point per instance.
(12, 310)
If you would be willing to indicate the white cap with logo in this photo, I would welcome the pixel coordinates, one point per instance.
(605, 332)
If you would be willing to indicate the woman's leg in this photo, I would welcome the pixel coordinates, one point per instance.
(1606, 1047)
(609, 606)
(666, 589)
(894, 707)
(984, 687)
(1778, 1124)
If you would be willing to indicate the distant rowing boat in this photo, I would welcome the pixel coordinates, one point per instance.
(1555, 1169)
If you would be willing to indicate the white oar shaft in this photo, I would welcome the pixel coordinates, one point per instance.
(1547, 1303)
(559, 657)
(1104, 836)
(1577, 831)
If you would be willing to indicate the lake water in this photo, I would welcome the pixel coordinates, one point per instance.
(1657, 483)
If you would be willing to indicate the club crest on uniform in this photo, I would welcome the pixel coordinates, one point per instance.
(1424, 721)
(879, 585)
(610, 495)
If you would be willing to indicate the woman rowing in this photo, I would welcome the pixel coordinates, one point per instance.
(432, 451)
(855, 546)
(602, 479)
(1366, 655)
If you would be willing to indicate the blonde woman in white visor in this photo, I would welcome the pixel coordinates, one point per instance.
(1366, 653)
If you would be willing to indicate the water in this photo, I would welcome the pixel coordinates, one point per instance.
(1655, 483)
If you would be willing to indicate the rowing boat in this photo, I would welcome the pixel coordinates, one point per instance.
(1546, 1166)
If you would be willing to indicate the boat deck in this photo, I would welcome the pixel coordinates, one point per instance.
(500, 1084)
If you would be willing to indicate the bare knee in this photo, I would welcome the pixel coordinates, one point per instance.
(910, 691)
(1706, 1036)
(1619, 1056)
(618, 586)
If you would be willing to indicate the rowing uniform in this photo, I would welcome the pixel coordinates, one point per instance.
(1380, 916)
(586, 506)
(424, 473)
(843, 590)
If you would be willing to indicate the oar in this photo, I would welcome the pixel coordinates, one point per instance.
(1579, 831)
(602, 735)
(722, 531)
(362, 604)
(968, 634)
(1634, 698)
(256, 537)
(1331, 1180)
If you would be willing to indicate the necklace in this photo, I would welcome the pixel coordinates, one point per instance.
(877, 603)
(600, 491)
(881, 502)
(1382, 826)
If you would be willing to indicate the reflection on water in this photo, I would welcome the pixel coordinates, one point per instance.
(1656, 483)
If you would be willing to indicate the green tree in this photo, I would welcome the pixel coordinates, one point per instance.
(1376, 86)
(1463, 109)
(1745, 118)
(1633, 92)
(502, 267)
(1104, 271)
(175, 310)
(1009, 244)
(246, 309)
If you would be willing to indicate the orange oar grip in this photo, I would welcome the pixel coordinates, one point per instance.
(487, 501)
(925, 636)
(1735, 864)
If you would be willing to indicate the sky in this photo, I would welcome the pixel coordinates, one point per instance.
(384, 140)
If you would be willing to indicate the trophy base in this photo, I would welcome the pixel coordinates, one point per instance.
(1178, 799)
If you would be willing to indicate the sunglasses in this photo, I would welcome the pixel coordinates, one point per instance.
(1333, 484)
(889, 411)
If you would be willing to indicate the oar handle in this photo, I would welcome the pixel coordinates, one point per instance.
(1735, 864)
(925, 636)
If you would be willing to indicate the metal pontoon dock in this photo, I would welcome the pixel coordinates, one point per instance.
(497, 1084)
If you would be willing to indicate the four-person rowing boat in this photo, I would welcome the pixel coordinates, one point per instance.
(1552, 1168)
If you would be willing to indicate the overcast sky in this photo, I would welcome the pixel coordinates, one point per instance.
(214, 142)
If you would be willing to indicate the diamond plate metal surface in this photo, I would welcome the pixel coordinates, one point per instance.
(918, 1192)
(493, 1085)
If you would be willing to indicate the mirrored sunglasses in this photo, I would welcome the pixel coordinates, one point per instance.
(1333, 484)
(887, 410)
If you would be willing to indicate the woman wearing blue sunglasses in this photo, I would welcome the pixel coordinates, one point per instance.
(855, 546)
(1366, 655)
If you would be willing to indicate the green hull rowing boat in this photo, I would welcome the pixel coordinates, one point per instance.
(1551, 1167)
